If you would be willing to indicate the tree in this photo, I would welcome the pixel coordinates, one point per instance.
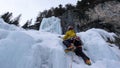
(69, 7)
(25, 26)
(39, 17)
(44, 13)
(58, 11)
(49, 13)
(61, 10)
(7, 17)
(52, 10)
(16, 20)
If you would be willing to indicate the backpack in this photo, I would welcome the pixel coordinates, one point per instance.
(77, 38)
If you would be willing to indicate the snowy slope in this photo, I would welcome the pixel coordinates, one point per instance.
(37, 49)
(6, 26)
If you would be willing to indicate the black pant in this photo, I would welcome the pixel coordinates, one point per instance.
(67, 42)
(78, 51)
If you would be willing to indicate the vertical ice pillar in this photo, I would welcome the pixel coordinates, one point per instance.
(51, 24)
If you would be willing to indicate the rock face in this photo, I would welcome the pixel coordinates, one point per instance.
(69, 18)
(108, 12)
(109, 15)
(105, 16)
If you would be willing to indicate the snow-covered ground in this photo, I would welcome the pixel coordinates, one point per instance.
(38, 49)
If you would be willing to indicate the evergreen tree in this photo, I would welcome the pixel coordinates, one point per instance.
(52, 10)
(69, 7)
(39, 18)
(58, 11)
(61, 10)
(37, 25)
(44, 13)
(49, 13)
(7, 17)
(16, 20)
(30, 22)
(25, 26)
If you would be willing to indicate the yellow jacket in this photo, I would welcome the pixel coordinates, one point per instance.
(69, 34)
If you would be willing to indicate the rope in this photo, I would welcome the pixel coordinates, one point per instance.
(71, 61)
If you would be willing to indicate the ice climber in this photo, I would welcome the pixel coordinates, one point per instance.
(73, 43)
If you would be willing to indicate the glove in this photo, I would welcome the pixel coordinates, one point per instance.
(71, 47)
(60, 37)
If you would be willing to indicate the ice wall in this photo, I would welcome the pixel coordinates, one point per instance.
(51, 24)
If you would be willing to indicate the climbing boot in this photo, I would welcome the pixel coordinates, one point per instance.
(88, 62)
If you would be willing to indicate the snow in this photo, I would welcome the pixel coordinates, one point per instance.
(6, 26)
(42, 49)
(93, 39)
